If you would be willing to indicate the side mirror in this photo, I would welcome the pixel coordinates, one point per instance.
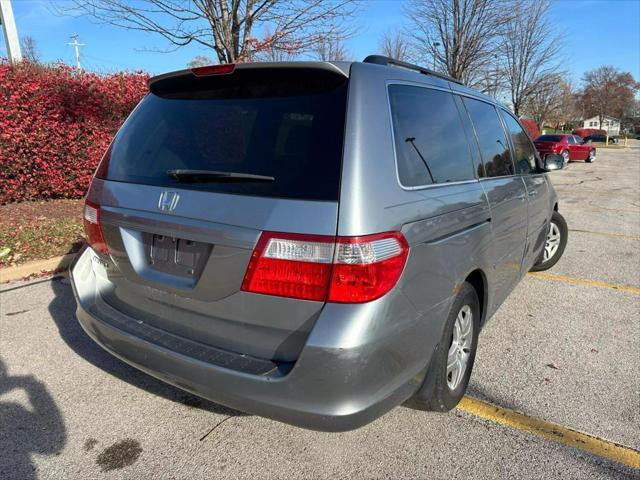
(553, 162)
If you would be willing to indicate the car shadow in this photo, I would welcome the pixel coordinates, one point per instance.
(62, 309)
(26, 431)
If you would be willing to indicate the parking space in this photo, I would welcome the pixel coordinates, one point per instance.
(563, 348)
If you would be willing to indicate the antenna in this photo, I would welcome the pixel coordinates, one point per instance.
(77, 46)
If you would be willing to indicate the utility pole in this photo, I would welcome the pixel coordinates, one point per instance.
(77, 46)
(10, 32)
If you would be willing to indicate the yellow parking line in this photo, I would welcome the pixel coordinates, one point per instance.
(583, 281)
(607, 234)
(552, 431)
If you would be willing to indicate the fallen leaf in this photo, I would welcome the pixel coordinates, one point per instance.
(553, 365)
(594, 350)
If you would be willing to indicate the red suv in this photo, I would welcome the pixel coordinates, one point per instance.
(571, 147)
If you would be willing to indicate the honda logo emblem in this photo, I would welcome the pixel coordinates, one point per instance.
(168, 201)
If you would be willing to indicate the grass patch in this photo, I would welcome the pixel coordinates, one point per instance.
(39, 230)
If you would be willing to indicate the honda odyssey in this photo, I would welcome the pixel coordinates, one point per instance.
(313, 242)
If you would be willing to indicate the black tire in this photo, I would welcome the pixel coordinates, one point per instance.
(561, 223)
(590, 158)
(567, 157)
(435, 394)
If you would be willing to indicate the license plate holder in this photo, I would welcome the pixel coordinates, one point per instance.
(176, 256)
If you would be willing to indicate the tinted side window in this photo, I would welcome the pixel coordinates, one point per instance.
(471, 137)
(491, 137)
(525, 155)
(431, 146)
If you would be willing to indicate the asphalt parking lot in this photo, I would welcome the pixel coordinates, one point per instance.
(564, 348)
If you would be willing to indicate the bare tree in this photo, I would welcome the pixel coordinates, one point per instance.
(395, 44)
(268, 50)
(330, 48)
(200, 61)
(529, 49)
(29, 49)
(607, 91)
(459, 36)
(553, 102)
(226, 26)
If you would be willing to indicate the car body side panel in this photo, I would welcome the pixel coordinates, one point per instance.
(447, 247)
(581, 150)
(508, 204)
(538, 200)
(448, 226)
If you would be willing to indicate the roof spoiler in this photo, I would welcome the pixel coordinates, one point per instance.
(193, 72)
(387, 61)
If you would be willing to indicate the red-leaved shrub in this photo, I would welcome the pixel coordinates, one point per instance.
(531, 127)
(55, 124)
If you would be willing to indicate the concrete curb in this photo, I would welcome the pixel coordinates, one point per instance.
(38, 266)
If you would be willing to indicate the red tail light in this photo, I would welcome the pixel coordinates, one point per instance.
(92, 229)
(365, 268)
(335, 269)
(214, 70)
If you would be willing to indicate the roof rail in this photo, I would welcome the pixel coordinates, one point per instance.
(387, 61)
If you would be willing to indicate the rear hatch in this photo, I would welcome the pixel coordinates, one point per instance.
(203, 166)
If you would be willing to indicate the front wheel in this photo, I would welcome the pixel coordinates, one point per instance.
(565, 156)
(591, 157)
(554, 245)
(450, 368)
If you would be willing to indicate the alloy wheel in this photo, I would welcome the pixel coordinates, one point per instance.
(460, 349)
(552, 243)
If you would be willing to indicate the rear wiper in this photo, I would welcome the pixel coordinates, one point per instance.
(194, 176)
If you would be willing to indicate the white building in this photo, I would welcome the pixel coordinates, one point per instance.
(610, 125)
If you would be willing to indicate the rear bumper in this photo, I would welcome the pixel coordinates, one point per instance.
(354, 367)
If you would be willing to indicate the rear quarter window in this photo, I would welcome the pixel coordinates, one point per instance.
(430, 143)
(287, 125)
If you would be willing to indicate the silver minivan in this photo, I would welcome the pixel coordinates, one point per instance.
(314, 242)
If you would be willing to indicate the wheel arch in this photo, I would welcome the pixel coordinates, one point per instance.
(478, 280)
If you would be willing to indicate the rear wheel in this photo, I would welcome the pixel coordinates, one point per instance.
(591, 157)
(554, 245)
(450, 368)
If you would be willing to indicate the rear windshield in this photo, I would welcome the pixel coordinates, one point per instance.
(549, 138)
(285, 124)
